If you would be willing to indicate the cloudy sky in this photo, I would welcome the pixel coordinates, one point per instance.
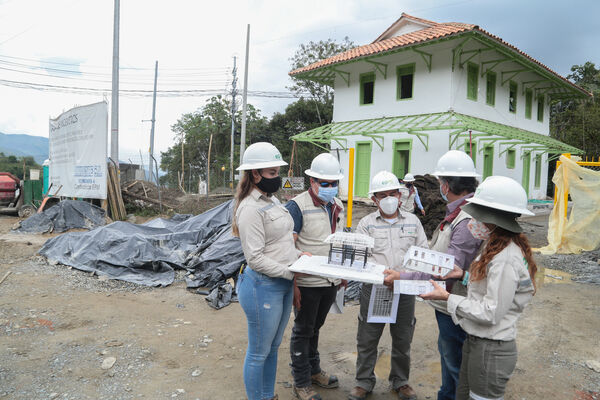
(68, 43)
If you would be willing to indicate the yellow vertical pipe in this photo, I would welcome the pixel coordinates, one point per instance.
(350, 187)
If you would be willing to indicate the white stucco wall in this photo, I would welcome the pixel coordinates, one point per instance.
(436, 91)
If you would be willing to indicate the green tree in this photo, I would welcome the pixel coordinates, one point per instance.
(14, 165)
(193, 131)
(310, 53)
(577, 122)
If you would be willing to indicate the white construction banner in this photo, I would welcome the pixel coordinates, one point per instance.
(78, 152)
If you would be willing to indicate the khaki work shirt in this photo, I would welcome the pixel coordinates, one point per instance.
(392, 240)
(266, 233)
(493, 305)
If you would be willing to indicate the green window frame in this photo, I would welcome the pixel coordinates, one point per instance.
(402, 149)
(472, 81)
(474, 149)
(538, 170)
(540, 108)
(488, 161)
(405, 81)
(367, 88)
(512, 96)
(511, 158)
(528, 102)
(490, 88)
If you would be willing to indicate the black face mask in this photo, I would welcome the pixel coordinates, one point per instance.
(269, 185)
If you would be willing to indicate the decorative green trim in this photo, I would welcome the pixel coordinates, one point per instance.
(366, 77)
(487, 143)
(540, 108)
(511, 158)
(378, 139)
(488, 168)
(343, 74)
(490, 82)
(472, 81)
(400, 72)
(535, 83)
(511, 147)
(457, 50)
(395, 155)
(473, 53)
(528, 103)
(420, 124)
(538, 171)
(427, 57)
(511, 74)
(381, 67)
(509, 53)
(420, 136)
(495, 63)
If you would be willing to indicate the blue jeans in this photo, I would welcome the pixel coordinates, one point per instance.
(450, 343)
(267, 303)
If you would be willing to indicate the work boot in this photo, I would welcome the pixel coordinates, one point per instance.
(358, 393)
(325, 380)
(306, 393)
(406, 393)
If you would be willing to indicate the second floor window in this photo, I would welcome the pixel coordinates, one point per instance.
(512, 97)
(540, 108)
(472, 81)
(406, 76)
(367, 88)
(490, 89)
(528, 101)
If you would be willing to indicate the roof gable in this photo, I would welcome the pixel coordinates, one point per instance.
(403, 25)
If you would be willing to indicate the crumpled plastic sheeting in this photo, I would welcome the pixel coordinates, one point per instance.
(581, 232)
(147, 254)
(65, 215)
(221, 295)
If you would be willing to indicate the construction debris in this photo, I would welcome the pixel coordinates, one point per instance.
(435, 208)
(65, 215)
(148, 254)
(116, 206)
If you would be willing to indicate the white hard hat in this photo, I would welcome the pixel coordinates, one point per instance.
(456, 163)
(501, 193)
(383, 181)
(325, 166)
(261, 155)
(409, 177)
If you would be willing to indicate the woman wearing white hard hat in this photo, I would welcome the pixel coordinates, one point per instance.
(501, 282)
(264, 286)
(413, 194)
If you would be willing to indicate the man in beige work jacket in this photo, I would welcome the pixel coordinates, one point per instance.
(317, 213)
(394, 232)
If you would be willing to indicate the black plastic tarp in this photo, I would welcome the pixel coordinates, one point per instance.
(149, 253)
(65, 215)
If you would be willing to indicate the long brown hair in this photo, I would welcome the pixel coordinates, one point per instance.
(244, 187)
(499, 239)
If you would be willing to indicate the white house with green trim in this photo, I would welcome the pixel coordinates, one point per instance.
(422, 88)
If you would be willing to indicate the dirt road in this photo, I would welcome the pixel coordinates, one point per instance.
(58, 326)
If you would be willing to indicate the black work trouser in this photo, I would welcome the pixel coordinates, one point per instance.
(315, 303)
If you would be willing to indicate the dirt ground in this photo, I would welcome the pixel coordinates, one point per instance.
(58, 325)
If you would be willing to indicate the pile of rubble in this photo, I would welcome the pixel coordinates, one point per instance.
(434, 205)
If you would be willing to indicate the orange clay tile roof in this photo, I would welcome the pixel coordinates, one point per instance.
(436, 31)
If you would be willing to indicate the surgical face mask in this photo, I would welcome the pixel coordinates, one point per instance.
(269, 185)
(327, 193)
(478, 229)
(389, 205)
(442, 193)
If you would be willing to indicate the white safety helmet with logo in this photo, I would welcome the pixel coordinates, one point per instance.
(409, 177)
(325, 166)
(261, 155)
(456, 163)
(384, 181)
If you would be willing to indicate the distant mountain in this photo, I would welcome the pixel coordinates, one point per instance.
(24, 145)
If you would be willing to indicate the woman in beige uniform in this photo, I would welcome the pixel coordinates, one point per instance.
(500, 285)
(264, 287)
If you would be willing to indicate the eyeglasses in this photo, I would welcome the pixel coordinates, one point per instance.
(327, 184)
